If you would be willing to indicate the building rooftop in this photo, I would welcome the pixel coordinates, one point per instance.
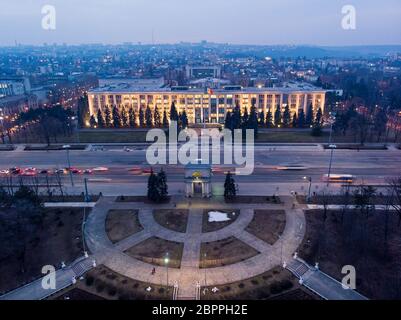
(126, 88)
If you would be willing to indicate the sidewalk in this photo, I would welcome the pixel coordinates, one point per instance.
(320, 283)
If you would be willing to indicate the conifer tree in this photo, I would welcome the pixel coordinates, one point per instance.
(116, 118)
(132, 118)
(100, 119)
(294, 120)
(230, 190)
(165, 119)
(124, 117)
(107, 117)
(301, 119)
(253, 121)
(173, 112)
(277, 116)
(92, 121)
(148, 117)
(261, 121)
(286, 117)
(184, 120)
(228, 121)
(157, 119)
(309, 116)
(141, 118)
(269, 119)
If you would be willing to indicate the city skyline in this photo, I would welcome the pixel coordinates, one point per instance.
(272, 23)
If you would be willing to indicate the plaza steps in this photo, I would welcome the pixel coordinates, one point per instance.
(298, 268)
(82, 266)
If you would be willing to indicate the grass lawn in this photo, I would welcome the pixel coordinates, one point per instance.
(68, 198)
(291, 137)
(339, 199)
(102, 283)
(301, 136)
(273, 284)
(173, 219)
(6, 147)
(112, 136)
(76, 294)
(54, 147)
(143, 199)
(59, 239)
(254, 199)
(214, 226)
(358, 240)
(267, 225)
(121, 224)
(225, 252)
(154, 249)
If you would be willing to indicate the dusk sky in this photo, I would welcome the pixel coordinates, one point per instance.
(315, 22)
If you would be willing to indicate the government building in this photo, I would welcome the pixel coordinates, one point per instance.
(206, 105)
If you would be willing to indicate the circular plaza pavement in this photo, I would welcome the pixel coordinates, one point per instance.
(189, 274)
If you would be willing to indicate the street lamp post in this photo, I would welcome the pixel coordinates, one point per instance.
(166, 261)
(310, 185)
(331, 146)
(205, 271)
(67, 148)
(84, 217)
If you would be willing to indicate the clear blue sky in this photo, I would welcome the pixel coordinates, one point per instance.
(316, 22)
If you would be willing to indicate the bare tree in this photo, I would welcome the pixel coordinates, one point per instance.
(346, 199)
(394, 187)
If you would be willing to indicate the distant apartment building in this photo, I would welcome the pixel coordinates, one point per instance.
(15, 104)
(200, 72)
(208, 106)
(14, 86)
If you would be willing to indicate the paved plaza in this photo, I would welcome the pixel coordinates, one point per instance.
(189, 274)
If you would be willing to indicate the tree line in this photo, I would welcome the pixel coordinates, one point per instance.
(281, 118)
(47, 122)
(122, 117)
(366, 124)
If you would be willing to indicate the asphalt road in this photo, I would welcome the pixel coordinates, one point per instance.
(369, 166)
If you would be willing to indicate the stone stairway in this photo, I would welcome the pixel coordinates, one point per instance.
(82, 266)
(298, 268)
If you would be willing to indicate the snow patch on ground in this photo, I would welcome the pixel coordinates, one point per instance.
(217, 216)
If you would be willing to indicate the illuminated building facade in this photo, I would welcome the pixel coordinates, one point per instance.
(208, 106)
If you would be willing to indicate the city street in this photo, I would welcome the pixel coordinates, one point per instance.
(367, 166)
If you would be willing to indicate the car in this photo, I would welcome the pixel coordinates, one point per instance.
(147, 170)
(76, 171)
(100, 169)
(135, 169)
(291, 167)
(5, 171)
(339, 178)
(87, 171)
(15, 170)
(60, 171)
(29, 172)
(44, 171)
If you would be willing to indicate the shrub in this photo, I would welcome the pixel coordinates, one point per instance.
(112, 291)
(275, 288)
(280, 286)
(99, 288)
(89, 281)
